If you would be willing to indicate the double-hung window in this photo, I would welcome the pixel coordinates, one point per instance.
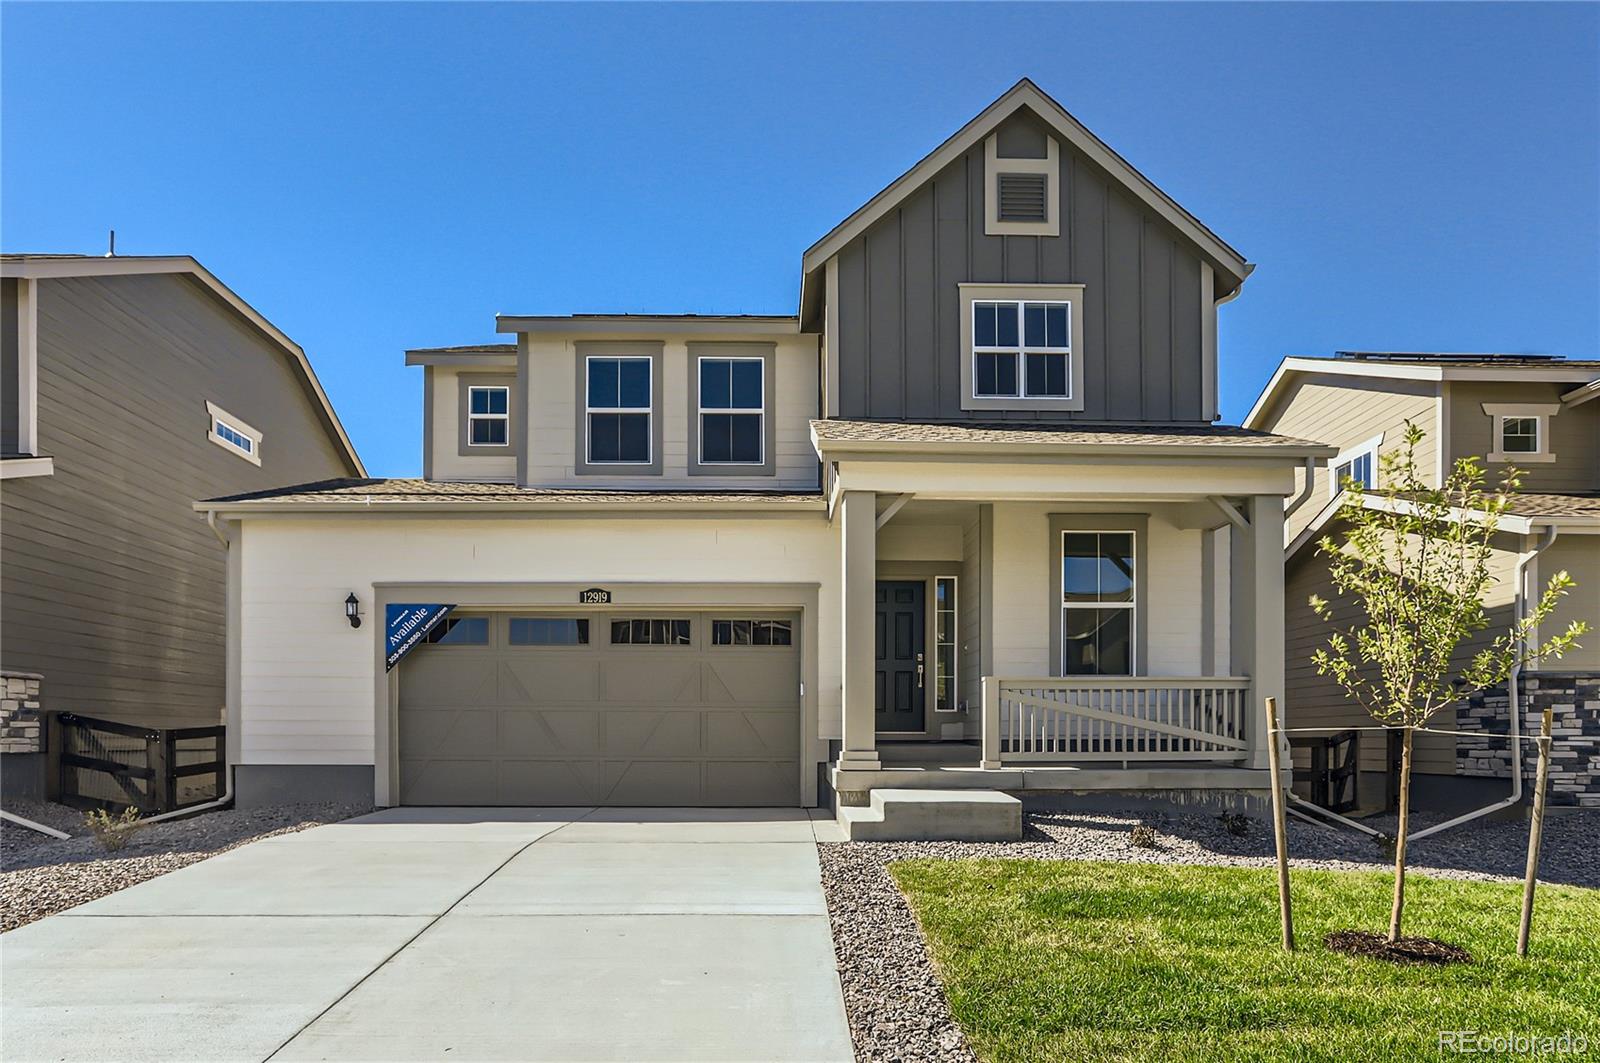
(1021, 349)
(1097, 603)
(488, 416)
(618, 410)
(732, 411)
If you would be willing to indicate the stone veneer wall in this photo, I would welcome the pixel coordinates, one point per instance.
(21, 727)
(1574, 766)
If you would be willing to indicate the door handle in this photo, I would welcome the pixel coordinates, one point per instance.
(920, 670)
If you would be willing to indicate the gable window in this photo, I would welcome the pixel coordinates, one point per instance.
(1097, 602)
(488, 416)
(1521, 431)
(618, 410)
(230, 433)
(732, 411)
(1359, 463)
(1021, 346)
(1021, 349)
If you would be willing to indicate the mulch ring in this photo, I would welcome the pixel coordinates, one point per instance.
(1406, 950)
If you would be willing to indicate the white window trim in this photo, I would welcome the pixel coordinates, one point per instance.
(1335, 489)
(702, 410)
(218, 414)
(1539, 412)
(506, 417)
(648, 411)
(1021, 351)
(1070, 294)
(955, 642)
(1132, 604)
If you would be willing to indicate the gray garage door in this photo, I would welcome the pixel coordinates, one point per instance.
(648, 708)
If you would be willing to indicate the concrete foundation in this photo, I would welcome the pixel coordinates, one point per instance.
(256, 785)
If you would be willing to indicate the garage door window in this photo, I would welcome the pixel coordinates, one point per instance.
(461, 631)
(650, 632)
(751, 633)
(548, 631)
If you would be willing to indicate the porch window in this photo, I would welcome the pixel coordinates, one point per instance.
(1097, 603)
(1021, 350)
(944, 661)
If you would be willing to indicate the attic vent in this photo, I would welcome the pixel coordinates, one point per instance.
(1022, 196)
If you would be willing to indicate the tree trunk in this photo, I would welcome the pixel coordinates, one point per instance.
(1401, 831)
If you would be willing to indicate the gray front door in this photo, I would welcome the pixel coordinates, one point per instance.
(648, 708)
(901, 634)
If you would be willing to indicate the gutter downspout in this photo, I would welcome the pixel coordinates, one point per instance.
(1513, 697)
(12, 817)
(1305, 492)
(227, 795)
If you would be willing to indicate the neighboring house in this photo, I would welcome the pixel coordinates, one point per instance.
(131, 387)
(1536, 413)
(964, 521)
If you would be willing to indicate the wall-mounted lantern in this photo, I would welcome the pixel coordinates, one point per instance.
(352, 609)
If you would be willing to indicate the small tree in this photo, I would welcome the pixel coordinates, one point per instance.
(1415, 558)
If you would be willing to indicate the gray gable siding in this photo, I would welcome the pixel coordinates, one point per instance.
(899, 311)
(112, 586)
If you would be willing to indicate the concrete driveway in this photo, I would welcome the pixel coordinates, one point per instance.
(465, 934)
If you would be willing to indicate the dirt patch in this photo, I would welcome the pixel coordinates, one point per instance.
(1406, 950)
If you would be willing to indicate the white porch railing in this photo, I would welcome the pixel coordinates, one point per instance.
(1063, 720)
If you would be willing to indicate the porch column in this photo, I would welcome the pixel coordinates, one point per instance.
(1266, 616)
(858, 535)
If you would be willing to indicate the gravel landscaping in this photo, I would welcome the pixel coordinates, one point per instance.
(41, 876)
(893, 996)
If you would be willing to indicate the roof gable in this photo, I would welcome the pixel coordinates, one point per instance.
(1025, 95)
(41, 267)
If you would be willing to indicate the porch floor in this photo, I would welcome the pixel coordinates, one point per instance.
(908, 774)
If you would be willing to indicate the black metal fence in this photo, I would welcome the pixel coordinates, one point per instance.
(154, 769)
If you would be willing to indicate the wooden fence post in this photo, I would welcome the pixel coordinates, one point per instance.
(1535, 828)
(1280, 832)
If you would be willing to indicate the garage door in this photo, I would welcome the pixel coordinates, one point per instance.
(650, 708)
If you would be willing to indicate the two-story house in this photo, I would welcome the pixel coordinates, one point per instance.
(1534, 413)
(129, 387)
(963, 522)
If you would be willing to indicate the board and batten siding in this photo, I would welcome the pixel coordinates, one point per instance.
(1346, 412)
(899, 311)
(112, 586)
(1574, 433)
(553, 415)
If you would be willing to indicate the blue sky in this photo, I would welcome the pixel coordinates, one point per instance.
(376, 177)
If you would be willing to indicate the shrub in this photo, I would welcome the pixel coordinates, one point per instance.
(113, 832)
(1235, 823)
(1143, 836)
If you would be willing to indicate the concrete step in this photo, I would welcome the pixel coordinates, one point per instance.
(934, 815)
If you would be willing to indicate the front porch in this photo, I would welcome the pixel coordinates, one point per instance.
(1106, 625)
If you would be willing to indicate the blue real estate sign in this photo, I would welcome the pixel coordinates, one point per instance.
(407, 626)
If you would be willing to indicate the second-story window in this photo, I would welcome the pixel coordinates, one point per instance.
(732, 408)
(618, 410)
(1021, 350)
(488, 416)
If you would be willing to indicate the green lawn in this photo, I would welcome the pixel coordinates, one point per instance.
(1101, 961)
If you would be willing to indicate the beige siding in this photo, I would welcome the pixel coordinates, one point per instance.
(1574, 433)
(308, 679)
(444, 425)
(1347, 411)
(553, 417)
(1316, 701)
(112, 586)
(1579, 555)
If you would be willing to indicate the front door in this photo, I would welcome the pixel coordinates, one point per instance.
(902, 665)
